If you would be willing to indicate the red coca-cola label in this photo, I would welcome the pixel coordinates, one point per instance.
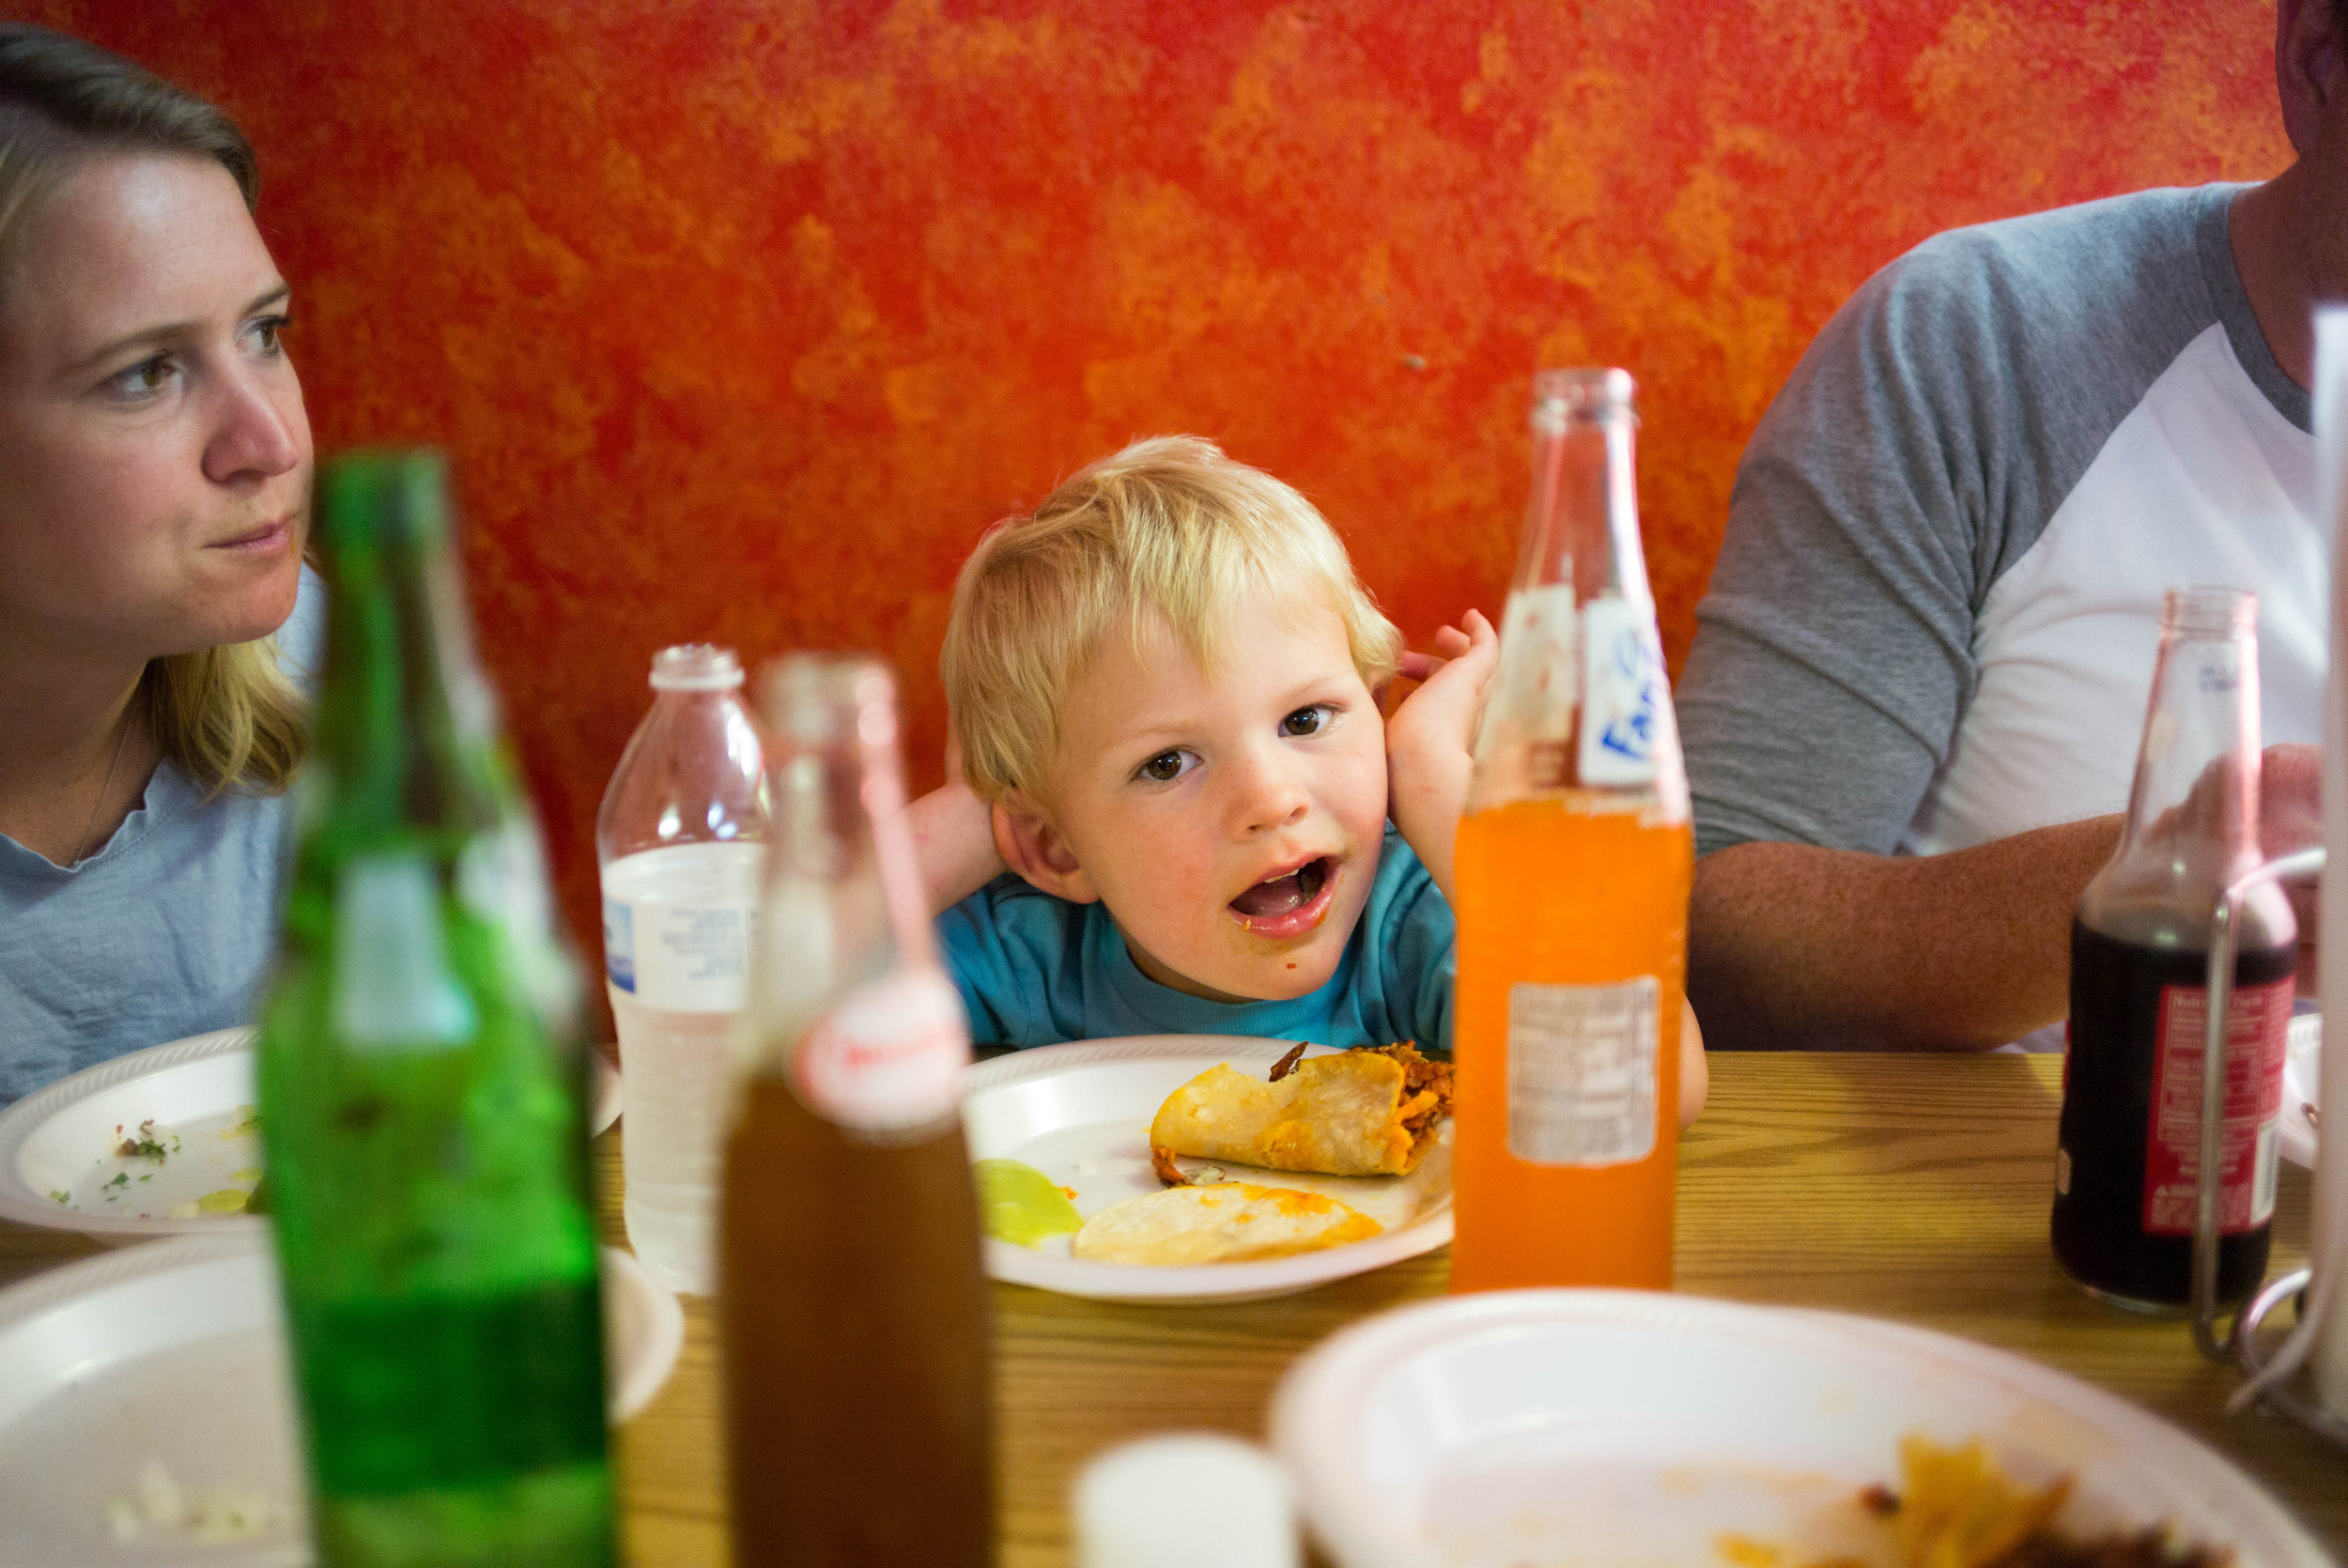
(887, 1058)
(2257, 1021)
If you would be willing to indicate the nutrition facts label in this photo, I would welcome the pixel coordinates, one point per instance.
(1582, 1071)
(2257, 1024)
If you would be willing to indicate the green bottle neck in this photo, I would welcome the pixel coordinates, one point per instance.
(407, 729)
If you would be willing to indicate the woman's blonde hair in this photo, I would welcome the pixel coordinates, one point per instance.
(1169, 524)
(226, 716)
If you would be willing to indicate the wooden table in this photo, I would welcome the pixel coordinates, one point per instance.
(1911, 1188)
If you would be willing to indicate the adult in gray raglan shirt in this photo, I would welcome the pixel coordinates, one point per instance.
(1912, 708)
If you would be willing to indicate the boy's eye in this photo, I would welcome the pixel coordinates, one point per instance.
(1165, 767)
(1307, 721)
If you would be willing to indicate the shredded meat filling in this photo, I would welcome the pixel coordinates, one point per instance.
(1425, 1089)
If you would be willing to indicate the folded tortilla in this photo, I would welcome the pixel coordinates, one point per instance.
(1371, 1111)
(1232, 1222)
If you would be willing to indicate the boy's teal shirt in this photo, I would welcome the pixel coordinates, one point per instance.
(1036, 970)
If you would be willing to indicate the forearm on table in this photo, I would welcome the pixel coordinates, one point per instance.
(1793, 946)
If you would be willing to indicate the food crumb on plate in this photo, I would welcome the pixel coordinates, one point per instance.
(158, 1504)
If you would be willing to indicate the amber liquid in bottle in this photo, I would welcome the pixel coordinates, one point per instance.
(853, 1307)
(857, 1345)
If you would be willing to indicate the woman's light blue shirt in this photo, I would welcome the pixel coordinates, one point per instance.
(166, 932)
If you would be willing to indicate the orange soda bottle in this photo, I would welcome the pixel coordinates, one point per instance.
(1573, 865)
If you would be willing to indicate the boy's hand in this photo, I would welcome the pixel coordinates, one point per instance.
(953, 836)
(1429, 737)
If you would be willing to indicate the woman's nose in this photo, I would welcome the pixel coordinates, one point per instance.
(261, 430)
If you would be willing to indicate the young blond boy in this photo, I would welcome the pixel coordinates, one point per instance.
(1164, 683)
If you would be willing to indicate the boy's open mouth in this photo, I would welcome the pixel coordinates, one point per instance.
(1287, 904)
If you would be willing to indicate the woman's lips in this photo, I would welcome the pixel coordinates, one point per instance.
(265, 539)
(1317, 887)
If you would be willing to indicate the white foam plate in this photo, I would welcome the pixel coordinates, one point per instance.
(58, 1167)
(2306, 1044)
(173, 1354)
(1080, 1114)
(1588, 1427)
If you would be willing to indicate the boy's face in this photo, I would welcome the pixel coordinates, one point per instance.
(1231, 824)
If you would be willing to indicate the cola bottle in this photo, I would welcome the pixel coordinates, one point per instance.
(2128, 1165)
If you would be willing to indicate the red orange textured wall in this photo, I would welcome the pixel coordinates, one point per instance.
(743, 317)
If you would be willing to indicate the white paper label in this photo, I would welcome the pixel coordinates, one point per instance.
(1582, 1071)
(502, 877)
(394, 987)
(1622, 692)
(888, 1056)
(678, 926)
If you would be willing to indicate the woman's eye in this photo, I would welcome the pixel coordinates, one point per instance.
(269, 333)
(143, 379)
(1165, 767)
(1307, 721)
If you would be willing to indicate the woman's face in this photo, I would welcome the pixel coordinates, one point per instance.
(154, 456)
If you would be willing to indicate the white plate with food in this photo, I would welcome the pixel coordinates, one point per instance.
(1570, 1428)
(146, 1412)
(1079, 1116)
(161, 1141)
(2304, 1048)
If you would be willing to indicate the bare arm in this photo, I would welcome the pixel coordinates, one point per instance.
(1791, 944)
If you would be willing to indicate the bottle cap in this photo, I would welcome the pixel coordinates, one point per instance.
(696, 667)
(817, 699)
(1559, 395)
(2209, 611)
(1182, 1501)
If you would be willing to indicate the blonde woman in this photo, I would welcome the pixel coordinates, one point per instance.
(155, 466)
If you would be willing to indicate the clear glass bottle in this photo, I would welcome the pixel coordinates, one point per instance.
(2126, 1181)
(679, 839)
(422, 1081)
(1574, 866)
(852, 1309)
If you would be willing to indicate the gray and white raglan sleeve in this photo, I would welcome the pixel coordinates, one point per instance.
(1833, 652)
(1917, 451)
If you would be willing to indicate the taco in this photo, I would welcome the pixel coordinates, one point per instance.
(1370, 1112)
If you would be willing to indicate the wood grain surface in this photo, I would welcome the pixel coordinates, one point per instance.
(1911, 1188)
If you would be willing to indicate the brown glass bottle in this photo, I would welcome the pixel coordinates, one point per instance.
(2127, 1162)
(854, 1310)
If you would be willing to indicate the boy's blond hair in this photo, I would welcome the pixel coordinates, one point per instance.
(1169, 524)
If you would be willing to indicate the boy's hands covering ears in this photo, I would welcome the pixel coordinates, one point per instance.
(1428, 740)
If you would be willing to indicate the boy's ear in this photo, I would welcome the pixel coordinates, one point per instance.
(1031, 846)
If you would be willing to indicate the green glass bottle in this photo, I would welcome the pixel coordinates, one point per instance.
(421, 1083)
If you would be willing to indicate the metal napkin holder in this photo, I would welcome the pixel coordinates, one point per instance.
(2239, 1344)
